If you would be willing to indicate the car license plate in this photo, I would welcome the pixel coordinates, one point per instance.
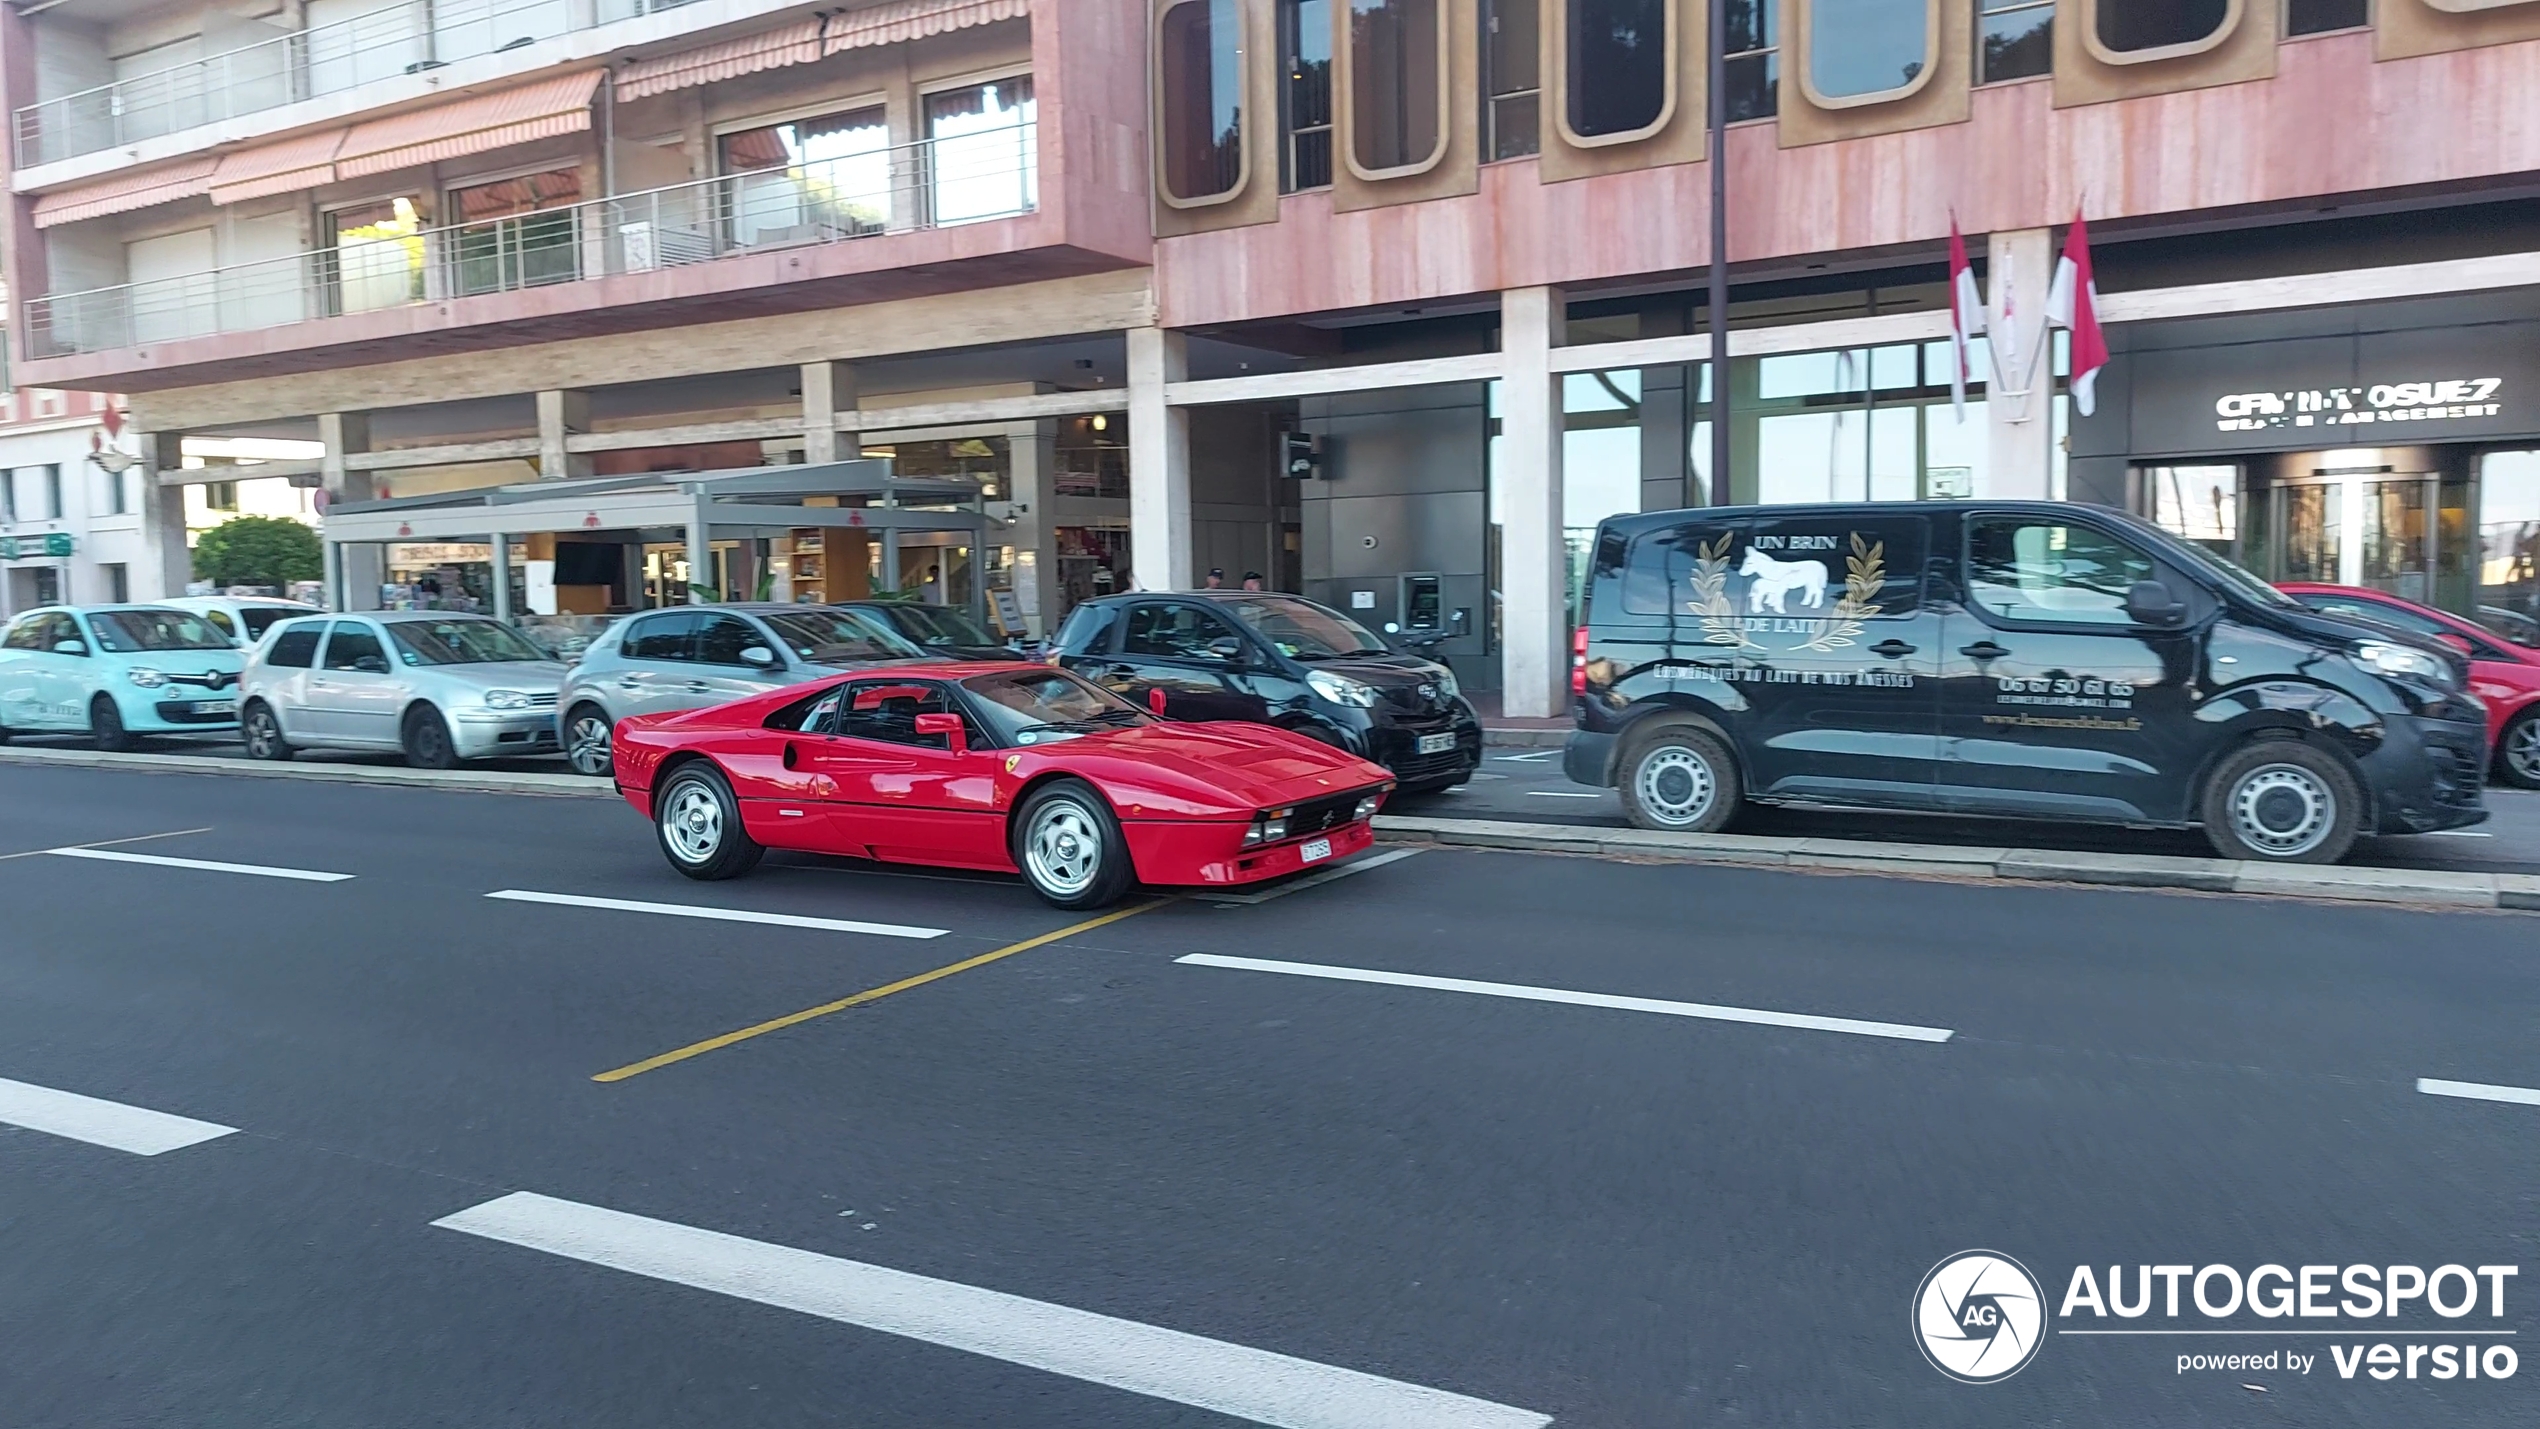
(1436, 743)
(1315, 850)
(216, 707)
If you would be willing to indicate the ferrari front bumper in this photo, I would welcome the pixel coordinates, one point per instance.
(1211, 854)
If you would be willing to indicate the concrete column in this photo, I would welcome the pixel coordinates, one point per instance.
(360, 567)
(2017, 269)
(167, 562)
(1159, 463)
(1533, 612)
(700, 552)
(829, 390)
(562, 415)
(1034, 535)
(502, 552)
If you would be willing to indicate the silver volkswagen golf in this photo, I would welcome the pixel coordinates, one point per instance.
(435, 686)
(683, 659)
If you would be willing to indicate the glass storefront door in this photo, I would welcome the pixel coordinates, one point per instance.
(2359, 529)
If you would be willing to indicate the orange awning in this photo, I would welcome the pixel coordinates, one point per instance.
(897, 20)
(791, 45)
(284, 166)
(117, 193)
(561, 105)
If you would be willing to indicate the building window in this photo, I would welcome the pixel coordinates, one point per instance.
(1397, 86)
(514, 233)
(118, 581)
(1867, 49)
(2315, 17)
(220, 495)
(808, 179)
(1512, 77)
(2015, 39)
(982, 151)
(1200, 76)
(52, 491)
(374, 257)
(8, 496)
(1618, 72)
(117, 503)
(1305, 95)
(2508, 600)
(1754, 61)
(2132, 31)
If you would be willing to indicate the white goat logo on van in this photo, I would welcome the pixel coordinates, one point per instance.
(1770, 583)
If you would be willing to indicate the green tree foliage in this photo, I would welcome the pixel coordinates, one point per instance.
(258, 550)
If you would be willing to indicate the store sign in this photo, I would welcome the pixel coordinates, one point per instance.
(20, 548)
(2452, 399)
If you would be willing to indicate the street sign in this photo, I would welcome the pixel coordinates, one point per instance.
(1302, 454)
(21, 548)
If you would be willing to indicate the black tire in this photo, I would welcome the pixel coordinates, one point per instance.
(1680, 778)
(426, 739)
(587, 750)
(1070, 848)
(2281, 801)
(105, 727)
(4, 734)
(261, 731)
(698, 824)
(2518, 751)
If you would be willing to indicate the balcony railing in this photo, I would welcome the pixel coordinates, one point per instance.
(986, 174)
(404, 38)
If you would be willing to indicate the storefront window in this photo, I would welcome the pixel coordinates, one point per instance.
(2509, 545)
(982, 151)
(2129, 27)
(1620, 73)
(1199, 57)
(1512, 77)
(1754, 63)
(1396, 84)
(1856, 424)
(1600, 461)
(1858, 48)
(2015, 39)
(374, 256)
(809, 179)
(2197, 503)
(515, 233)
(1305, 95)
(2313, 17)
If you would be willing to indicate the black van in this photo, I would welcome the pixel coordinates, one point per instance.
(2028, 659)
(1271, 658)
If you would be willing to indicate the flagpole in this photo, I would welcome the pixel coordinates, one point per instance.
(1716, 91)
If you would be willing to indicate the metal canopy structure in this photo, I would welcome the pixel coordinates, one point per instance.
(696, 507)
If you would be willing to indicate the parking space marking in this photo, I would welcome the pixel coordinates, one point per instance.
(790, 1019)
(200, 865)
(1804, 1021)
(2479, 1091)
(725, 915)
(1311, 880)
(1261, 1386)
(1563, 794)
(103, 843)
(113, 1125)
(1536, 757)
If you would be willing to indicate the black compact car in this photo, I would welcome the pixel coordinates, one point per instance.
(1269, 658)
(939, 630)
(2035, 660)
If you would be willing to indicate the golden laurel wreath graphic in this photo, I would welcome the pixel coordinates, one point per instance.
(1720, 625)
(1865, 570)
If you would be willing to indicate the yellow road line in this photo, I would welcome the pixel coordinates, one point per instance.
(107, 843)
(711, 1044)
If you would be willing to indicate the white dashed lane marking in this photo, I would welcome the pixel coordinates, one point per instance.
(139, 1130)
(726, 915)
(2479, 1091)
(199, 865)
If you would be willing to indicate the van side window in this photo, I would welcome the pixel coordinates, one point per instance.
(1666, 573)
(2047, 571)
(1794, 566)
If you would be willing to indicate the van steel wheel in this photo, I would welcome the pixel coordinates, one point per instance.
(427, 740)
(263, 734)
(1679, 778)
(1070, 847)
(2518, 751)
(586, 741)
(105, 726)
(2281, 801)
(700, 825)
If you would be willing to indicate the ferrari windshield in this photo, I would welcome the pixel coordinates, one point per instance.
(460, 642)
(1040, 706)
(1303, 630)
(127, 632)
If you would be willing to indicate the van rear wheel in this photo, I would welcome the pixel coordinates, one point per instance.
(2282, 801)
(1679, 778)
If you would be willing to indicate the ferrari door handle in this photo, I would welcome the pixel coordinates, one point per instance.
(1892, 649)
(1983, 650)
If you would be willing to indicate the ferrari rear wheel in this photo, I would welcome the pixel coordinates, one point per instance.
(699, 823)
(1070, 848)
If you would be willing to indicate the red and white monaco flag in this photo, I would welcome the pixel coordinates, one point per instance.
(2073, 303)
(1966, 318)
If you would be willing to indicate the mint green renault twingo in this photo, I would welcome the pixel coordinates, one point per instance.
(117, 673)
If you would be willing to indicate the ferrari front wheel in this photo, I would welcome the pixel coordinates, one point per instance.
(1070, 847)
(700, 825)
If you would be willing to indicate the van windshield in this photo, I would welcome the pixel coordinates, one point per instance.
(2235, 575)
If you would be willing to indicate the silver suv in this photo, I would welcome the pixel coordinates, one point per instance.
(686, 658)
(436, 686)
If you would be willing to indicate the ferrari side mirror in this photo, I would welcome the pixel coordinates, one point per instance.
(949, 726)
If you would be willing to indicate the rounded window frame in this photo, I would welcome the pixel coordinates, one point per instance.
(1807, 62)
(1345, 97)
(1553, 43)
(2473, 7)
(2234, 11)
(1243, 131)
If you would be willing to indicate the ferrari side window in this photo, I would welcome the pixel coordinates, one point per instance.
(887, 710)
(808, 715)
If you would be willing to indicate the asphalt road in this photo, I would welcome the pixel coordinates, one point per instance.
(1378, 1202)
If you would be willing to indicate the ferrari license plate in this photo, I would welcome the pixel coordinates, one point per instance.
(1315, 850)
(1436, 743)
(216, 707)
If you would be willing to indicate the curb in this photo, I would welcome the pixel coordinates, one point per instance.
(469, 781)
(1524, 738)
(2408, 887)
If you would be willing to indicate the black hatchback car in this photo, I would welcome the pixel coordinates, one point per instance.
(2037, 660)
(1269, 658)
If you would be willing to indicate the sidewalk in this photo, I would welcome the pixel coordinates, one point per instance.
(1524, 733)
